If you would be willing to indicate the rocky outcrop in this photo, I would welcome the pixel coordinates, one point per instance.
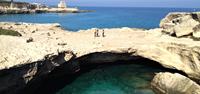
(182, 24)
(44, 47)
(174, 83)
(196, 33)
(6, 3)
(16, 78)
(15, 11)
(23, 61)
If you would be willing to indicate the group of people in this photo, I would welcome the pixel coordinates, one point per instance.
(96, 33)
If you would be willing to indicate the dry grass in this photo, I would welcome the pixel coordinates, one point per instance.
(9, 32)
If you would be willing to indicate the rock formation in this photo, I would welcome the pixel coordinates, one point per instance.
(44, 47)
(174, 83)
(182, 24)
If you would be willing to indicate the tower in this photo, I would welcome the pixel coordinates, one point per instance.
(11, 4)
(62, 4)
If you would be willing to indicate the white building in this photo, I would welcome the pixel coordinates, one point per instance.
(62, 4)
(11, 4)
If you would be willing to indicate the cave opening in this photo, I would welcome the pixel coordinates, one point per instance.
(100, 73)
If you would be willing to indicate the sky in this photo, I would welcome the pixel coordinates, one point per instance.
(125, 3)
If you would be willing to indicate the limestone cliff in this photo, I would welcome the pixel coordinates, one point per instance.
(44, 47)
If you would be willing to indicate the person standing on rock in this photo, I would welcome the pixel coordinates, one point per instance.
(103, 33)
(97, 32)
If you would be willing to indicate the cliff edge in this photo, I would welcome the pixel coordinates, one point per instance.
(44, 47)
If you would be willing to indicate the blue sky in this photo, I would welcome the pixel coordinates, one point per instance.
(126, 3)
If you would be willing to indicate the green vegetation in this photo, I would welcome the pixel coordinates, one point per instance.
(9, 32)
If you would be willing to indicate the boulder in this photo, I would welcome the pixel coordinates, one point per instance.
(174, 83)
(196, 33)
(180, 24)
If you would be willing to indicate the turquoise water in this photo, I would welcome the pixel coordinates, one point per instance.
(113, 79)
(104, 17)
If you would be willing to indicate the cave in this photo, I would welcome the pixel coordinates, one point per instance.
(99, 73)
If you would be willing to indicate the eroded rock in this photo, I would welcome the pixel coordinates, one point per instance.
(174, 83)
(196, 33)
(181, 24)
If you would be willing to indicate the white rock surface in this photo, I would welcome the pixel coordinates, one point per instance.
(181, 24)
(174, 83)
(51, 47)
(181, 54)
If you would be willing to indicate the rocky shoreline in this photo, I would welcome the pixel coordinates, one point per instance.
(174, 45)
(42, 10)
(28, 8)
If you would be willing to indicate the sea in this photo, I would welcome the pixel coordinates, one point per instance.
(103, 79)
(102, 17)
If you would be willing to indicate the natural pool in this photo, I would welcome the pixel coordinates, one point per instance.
(122, 77)
(113, 79)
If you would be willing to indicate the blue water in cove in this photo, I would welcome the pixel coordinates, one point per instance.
(103, 17)
(114, 79)
(121, 77)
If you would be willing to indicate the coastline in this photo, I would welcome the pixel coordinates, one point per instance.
(53, 47)
(16, 7)
(41, 10)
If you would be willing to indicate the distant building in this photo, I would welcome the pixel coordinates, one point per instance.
(38, 5)
(62, 4)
